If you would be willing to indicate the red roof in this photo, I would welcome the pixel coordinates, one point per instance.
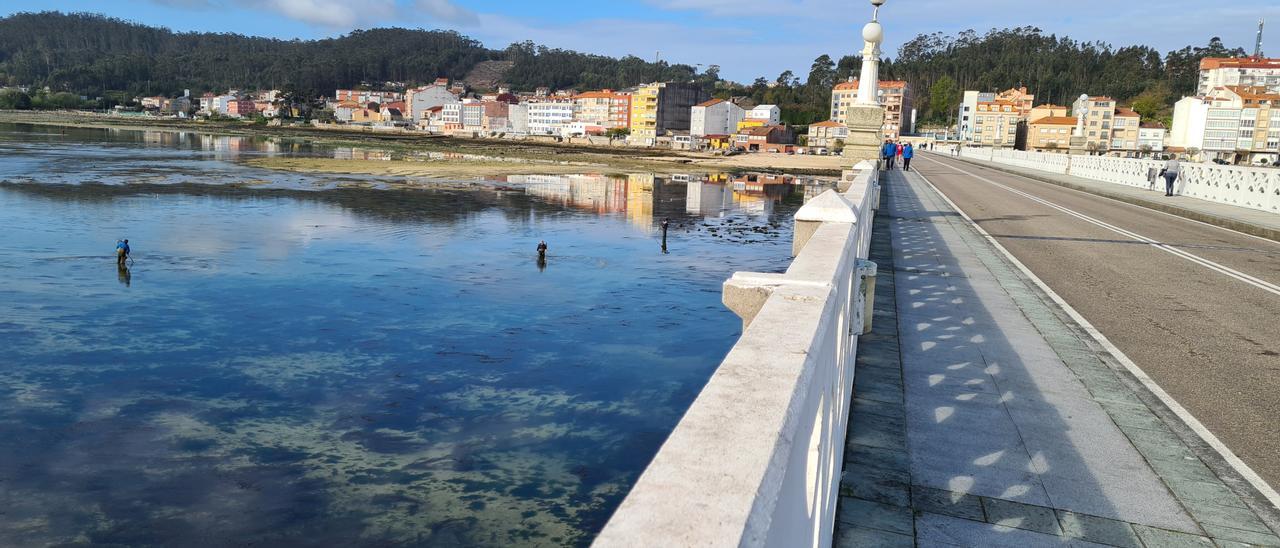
(1210, 63)
(1055, 121)
(1122, 112)
(827, 123)
(853, 84)
(710, 103)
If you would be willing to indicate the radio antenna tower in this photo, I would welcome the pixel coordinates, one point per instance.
(1257, 48)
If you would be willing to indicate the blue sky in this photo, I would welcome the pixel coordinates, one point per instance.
(747, 38)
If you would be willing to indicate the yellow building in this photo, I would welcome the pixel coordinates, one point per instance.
(751, 122)
(1051, 133)
(644, 113)
(996, 124)
(1044, 111)
(1108, 127)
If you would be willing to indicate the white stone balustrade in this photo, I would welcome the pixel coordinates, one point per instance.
(756, 460)
(1250, 187)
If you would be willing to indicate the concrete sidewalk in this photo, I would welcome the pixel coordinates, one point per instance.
(984, 416)
(1249, 221)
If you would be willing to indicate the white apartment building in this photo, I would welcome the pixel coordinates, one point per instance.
(419, 100)
(968, 116)
(472, 114)
(1217, 72)
(518, 118)
(771, 115)
(715, 117)
(451, 116)
(1152, 134)
(1237, 124)
(548, 116)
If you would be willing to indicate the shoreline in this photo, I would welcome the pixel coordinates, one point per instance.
(546, 158)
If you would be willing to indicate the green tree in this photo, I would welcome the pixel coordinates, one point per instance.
(14, 99)
(1152, 102)
(944, 98)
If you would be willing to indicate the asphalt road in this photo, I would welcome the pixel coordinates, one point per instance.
(1187, 313)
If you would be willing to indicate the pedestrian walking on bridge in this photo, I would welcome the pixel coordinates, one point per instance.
(907, 153)
(1170, 173)
(889, 151)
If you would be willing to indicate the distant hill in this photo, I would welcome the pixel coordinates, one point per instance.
(92, 54)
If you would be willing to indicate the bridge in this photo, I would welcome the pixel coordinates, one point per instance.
(991, 351)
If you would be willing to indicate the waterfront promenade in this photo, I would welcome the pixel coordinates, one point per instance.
(985, 414)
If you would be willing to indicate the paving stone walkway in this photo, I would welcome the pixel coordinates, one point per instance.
(984, 416)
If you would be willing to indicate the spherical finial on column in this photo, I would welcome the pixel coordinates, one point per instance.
(873, 33)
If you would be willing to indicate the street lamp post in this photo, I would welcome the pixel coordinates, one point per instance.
(872, 37)
(865, 117)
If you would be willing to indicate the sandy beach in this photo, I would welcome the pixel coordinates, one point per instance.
(543, 158)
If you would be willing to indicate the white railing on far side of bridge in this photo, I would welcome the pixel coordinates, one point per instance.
(756, 459)
(1249, 187)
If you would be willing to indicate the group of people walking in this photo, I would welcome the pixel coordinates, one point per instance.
(893, 150)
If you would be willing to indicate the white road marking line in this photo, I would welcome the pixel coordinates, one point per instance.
(1185, 416)
(1222, 269)
(1122, 202)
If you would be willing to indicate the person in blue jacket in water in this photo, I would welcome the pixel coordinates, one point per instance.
(122, 252)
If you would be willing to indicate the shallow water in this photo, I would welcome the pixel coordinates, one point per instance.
(281, 367)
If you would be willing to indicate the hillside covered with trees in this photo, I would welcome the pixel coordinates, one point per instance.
(93, 55)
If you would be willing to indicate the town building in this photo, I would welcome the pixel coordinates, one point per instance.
(1237, 124)
(756, 139)
(364, 96)
(207, 103)
(829, 134)
(518, 118)
(715, 117)
(661, 107)
(1051, 133)
(420, 99)
(1021, 100)
(1151, 135)
(893, 95)
(549, 115)
(1108, 127)
(995, 124)
(450, 117)
(967, 118)
(605, 109)
(1218, 72)
(241, 108)
(1124, 132)
(770, 115)
(1044, 111)
(472, 114)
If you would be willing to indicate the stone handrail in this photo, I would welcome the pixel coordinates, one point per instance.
(1250, 187)
(756, 460)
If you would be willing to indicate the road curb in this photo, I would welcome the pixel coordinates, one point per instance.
(1238, 226)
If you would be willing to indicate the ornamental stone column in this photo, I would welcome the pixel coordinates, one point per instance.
(865, 118)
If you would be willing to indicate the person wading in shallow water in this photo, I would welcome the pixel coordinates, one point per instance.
(542, 250)
(122, 252)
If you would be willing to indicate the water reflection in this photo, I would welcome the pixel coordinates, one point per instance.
(369, 368)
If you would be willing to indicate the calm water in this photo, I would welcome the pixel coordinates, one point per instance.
(287, 367)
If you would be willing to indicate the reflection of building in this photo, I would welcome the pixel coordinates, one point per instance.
(598, 193)
(707, 198)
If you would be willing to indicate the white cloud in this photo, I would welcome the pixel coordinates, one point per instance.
(340, 14)
(449, 12)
